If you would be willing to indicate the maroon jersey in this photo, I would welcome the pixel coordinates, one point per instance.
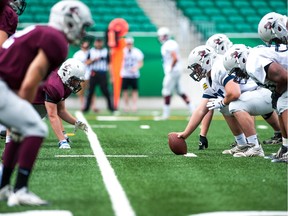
(8, 20)
(52, 90)
(20, 49)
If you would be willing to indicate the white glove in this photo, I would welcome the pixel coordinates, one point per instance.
(215, 103)
(80, 125)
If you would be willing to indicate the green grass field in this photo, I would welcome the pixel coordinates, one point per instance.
(157, 183)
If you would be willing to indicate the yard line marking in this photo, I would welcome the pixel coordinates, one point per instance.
(40, 213)
(93, 156)
(243, 213)
(95, 126)
(117, 118)
(120, 202)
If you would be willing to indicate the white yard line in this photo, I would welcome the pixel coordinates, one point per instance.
(93, 156)
(120, 202)
(39, 213)
(243, 213)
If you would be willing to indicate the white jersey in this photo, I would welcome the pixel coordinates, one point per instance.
(131, 59)
(215, 87)
(258, 58)
(167, 48)
(82, 56)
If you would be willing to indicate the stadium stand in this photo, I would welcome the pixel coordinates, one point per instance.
(103, 11)
(226, 16)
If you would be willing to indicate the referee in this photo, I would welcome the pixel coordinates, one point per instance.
(99, 66)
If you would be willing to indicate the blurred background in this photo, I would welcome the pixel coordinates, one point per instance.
(191, 23)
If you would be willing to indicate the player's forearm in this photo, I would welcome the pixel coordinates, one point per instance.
(56, 125)
(67, 117)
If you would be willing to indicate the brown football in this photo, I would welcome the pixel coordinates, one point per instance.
(177, 145)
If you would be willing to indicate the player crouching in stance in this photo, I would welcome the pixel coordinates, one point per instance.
(268, 66)
(51, 95)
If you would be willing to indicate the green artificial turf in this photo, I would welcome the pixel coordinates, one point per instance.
(160, 184)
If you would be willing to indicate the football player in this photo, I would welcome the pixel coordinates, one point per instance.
(172, 71)
(51, 95)
(26, 58)
(130, 73)
(268, 66)
(8, 25)
(223, 93)
(220, 43)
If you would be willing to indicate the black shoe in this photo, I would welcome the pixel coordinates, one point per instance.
(203, 143)
(3, 134)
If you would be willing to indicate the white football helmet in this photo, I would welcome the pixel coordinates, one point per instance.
(220, 42)
(71, 17)
(273, 28)
(234, 62)
(163, 34)
(200, 61)
(72, 73)
(18, 6)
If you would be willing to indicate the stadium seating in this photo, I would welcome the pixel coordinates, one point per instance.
(103, 11)
(226, 16)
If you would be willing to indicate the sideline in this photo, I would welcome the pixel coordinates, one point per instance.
(120, 202)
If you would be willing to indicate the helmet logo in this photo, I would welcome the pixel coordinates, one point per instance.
(218, 41)
(74, 10)
(235, 55)
(202, 54)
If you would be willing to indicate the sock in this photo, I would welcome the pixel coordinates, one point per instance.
(241, 139)
(285, 142)
(22, 178)
(277, 134)
(6, 175)
(253, 140)
(8, 139)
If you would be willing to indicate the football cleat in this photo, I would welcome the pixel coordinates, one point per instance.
(236, 149)
(24, 197)
(3, 134)
(282, 159)
(251, 152)
(5, 192)
(275, 140)
(64, 144)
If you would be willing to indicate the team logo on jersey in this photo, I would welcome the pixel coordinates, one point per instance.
(205, 86)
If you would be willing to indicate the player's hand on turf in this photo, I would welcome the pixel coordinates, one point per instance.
(80, 125)
(215, 103)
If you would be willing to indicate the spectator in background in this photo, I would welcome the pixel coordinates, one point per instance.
(34, 53)
(99, 65)
(132, 62)
(172, 71)
(84, 55)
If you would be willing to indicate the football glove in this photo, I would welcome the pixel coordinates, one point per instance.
(203, 143)
(215, 103)
(80, 125)
(275, 96)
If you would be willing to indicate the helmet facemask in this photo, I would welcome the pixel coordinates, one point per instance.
(241, 76)
(18, 6)
(198, 72)
(74, 83)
